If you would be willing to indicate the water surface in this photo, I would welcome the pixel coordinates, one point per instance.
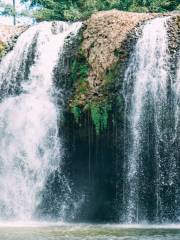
(89, 232)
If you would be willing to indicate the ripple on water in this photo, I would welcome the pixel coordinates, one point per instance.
(59, 231)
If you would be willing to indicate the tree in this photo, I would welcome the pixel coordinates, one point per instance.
(14, 12)
(80, 9)
(9, 10)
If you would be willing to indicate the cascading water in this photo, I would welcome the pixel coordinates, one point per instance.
(31, 148)
(151, 167)
(29, 142)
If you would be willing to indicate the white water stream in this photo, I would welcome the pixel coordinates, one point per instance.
(152, 129)
(30, 148)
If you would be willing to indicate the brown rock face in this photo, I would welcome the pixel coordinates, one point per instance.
(8, 35)
(104, 34)
(7, 32)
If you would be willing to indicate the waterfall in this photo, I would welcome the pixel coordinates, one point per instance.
(30, 148)
(151, 179)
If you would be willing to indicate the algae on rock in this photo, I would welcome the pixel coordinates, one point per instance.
(95, 68)
(105, 44)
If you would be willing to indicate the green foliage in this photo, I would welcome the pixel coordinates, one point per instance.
(79, 67)
(79, 70)
(8, 10)
(76, 111)
(81, 9)
(136, 8)
(99, 108)
(72, 13)
(111, 75)
(163, 5)
(99, 115)
(96, 116)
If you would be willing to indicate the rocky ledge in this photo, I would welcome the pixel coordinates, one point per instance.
(100, 57)
(8, 37)
(107, 41)
(104, 34)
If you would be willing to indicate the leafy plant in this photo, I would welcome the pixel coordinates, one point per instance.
(99, 115)
(81, 9)
(76, 111)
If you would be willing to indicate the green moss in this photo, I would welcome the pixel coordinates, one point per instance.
(99, 115)
(76, 112)
(96, 116)
(99, 111)
(79, 68)
(83, 99)
(81, 102)
(79, 71)
(110, 77)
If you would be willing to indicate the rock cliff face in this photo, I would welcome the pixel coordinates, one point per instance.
(95, 131)
(104, 35)
(8, 36)
(106, 43)
(91, 73)
(99, 58)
